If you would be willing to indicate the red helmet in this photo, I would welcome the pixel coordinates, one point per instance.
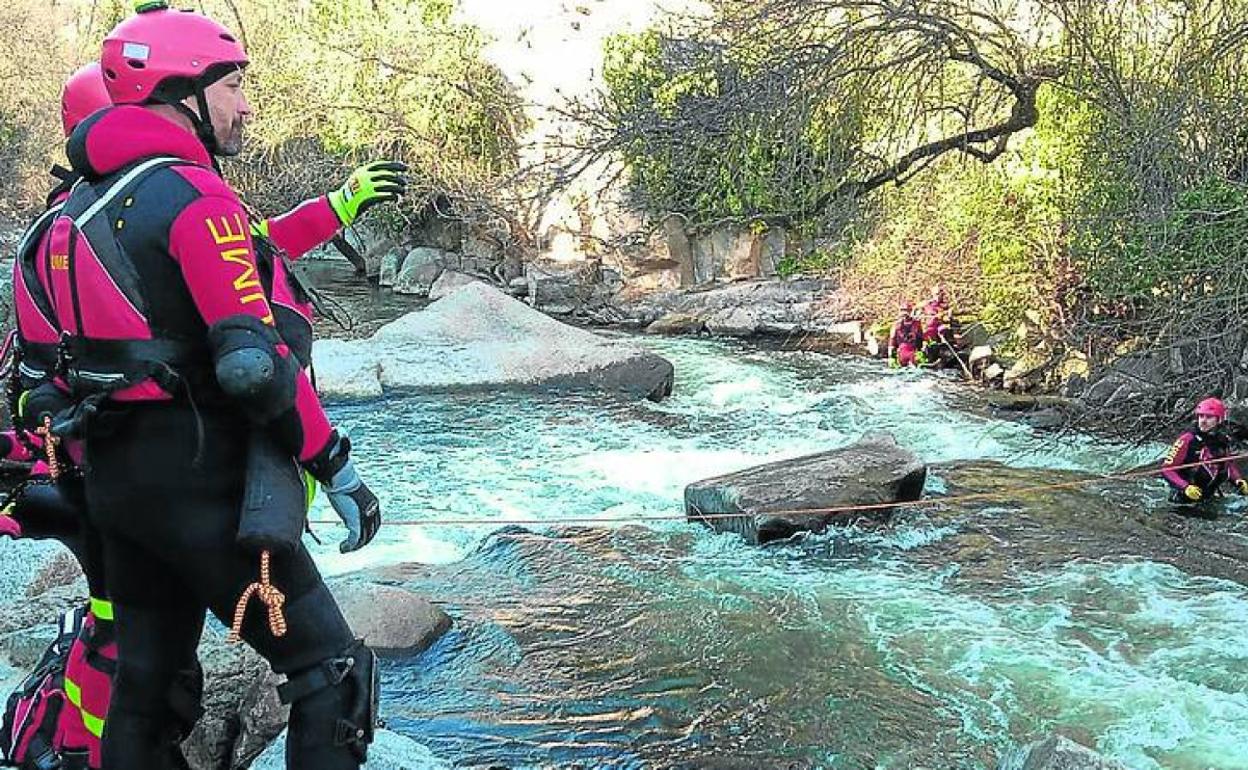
(1211, 407)
(159, 46)
(84, 93)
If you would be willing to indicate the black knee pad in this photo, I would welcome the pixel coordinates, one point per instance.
(336, 699)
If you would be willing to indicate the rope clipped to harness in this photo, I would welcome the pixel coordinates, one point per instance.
(268, 594)
(50, 443)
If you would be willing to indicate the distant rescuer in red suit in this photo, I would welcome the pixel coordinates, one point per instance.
(1207, 445)
(905, 338)
(936, 315)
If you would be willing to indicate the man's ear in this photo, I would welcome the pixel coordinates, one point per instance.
(193, 104)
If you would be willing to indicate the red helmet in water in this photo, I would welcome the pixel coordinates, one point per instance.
(84, 93)
(164, 55)
(1211, 407)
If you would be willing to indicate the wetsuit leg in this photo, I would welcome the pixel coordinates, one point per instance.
(905, 354)
(184, 521)
(157, 625)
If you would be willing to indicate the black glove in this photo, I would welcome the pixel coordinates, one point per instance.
(44, 400)
(350, 497)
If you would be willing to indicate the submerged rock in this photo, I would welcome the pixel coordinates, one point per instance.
(393, 621)
(873, 470)
(1058, 753)
(478, 337)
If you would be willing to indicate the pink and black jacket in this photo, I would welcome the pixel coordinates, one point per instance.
(150, 250)
(1195, 446)
(906, 331)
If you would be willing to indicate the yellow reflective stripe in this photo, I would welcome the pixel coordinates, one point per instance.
(94, 724)
(102, 608)
(309, 489)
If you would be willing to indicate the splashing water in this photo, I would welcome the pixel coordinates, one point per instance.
(671, 646)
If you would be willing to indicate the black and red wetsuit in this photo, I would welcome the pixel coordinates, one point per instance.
(1207, 449)
(151, 250)
(57, 511)
(905, 339)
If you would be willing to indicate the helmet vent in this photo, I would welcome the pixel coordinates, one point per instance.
(228, 38)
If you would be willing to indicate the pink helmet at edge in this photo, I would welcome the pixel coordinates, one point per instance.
(1211, 407)
(84, 93)
(158, 44)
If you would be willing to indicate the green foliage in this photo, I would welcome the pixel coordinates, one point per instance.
(332, 83)
(814, 262)
(727, 165)
(396, 78)
(990, 233)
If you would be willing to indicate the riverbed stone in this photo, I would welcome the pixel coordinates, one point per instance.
(768, 498)
(393, 621)
(677, 323)
(1058, 752)
(744, 308)
(420, 268)
(479, 337)
(448, 282)
(347, 369)
(242, 711)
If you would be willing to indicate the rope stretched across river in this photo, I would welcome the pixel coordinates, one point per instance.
(798, 512)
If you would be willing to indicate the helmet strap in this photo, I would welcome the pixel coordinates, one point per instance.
(201, 121)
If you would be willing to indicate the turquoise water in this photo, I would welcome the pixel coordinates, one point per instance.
(667, 645)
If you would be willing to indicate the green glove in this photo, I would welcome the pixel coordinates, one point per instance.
(378, 182)
(1193, 493)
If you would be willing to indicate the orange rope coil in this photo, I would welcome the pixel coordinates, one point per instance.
(273, 599)
(50, 443)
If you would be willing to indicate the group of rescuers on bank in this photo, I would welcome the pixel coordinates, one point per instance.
(1198, 462)
(158, 383)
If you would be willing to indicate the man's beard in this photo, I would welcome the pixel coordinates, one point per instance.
(232, 144)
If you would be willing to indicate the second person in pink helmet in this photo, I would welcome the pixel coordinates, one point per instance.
(1200, 461)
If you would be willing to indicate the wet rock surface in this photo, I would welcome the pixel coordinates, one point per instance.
(772, 497)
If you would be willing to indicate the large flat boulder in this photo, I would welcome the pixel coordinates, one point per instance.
(872, 471)
(478, 337)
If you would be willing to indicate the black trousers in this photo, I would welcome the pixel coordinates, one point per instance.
(164, 486)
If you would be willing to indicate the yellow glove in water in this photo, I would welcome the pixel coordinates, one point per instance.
(378, 182)
(1193, 493)
(1243, 486)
